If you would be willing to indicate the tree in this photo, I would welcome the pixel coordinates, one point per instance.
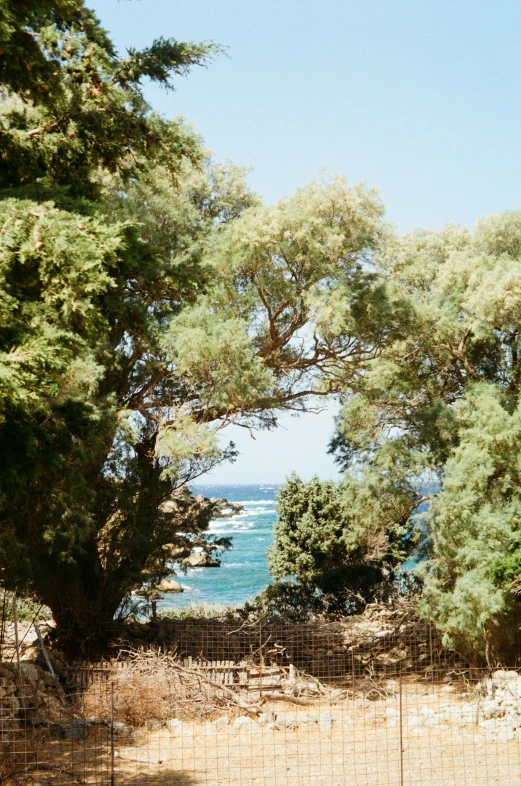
(473, 525)
(80, 281)
(342, 543)
(74, 106)
(147, 300)
(72, 115)
(447, 386)
(297, 280)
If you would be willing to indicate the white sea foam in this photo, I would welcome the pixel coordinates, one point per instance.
(258, 508)
(256, 502)
(243, 569)
(229, 527)
(253, 512)
(237, 520)
(225, 522)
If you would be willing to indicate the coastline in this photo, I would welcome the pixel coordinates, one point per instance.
(243, 572)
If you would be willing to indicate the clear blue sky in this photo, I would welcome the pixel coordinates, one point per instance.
(422, 99)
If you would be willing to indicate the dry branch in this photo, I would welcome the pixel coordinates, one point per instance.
(156, 684)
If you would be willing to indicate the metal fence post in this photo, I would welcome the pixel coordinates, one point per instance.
(16, 639)
(401, 730)
(112, 773)
(2, 630)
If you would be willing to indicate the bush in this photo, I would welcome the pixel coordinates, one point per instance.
(338, 593)
(207, 611)
(27, 609)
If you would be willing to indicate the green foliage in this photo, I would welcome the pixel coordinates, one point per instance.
(147, 299)
(203, 611)
(217, 355)
(294, 601)
(341, 542)
(295, 293)
(473, 522)
(54, 265)
(27, 609)
(72, 105)
(86, 285)
(31, 55)
(446, 385)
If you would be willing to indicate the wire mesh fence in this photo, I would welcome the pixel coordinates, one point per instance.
(366, 702)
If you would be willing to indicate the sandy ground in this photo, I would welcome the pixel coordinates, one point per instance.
(357, 742)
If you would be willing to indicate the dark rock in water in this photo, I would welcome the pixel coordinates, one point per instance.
(201, 561)
(225, 510)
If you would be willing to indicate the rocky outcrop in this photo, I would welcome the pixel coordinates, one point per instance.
(201, 561)
(150, 593)
(154, 592)
(169, 585)
(225, 510)
(181, 550)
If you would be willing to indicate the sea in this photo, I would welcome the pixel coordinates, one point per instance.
(244, 570)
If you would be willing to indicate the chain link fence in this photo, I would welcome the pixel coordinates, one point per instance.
(372, 701)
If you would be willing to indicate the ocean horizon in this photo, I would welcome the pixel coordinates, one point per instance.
(244, 570)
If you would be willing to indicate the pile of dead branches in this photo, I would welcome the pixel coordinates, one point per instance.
(153, 684)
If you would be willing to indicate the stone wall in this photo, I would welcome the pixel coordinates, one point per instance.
(29, 698)
(500, 706)
(385, 640)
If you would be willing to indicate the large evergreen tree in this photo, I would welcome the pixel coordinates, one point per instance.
(147, 299)
(87, 281)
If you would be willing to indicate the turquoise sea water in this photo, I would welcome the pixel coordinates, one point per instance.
(243, 572)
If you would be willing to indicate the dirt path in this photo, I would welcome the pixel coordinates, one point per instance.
(357, 742)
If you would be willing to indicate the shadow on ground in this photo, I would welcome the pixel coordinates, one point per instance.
(34, 757)
(60, 775)
(166, 778)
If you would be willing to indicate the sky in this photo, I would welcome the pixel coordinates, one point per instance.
(420, 99)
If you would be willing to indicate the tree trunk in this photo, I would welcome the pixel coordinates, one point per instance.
(84, 617)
